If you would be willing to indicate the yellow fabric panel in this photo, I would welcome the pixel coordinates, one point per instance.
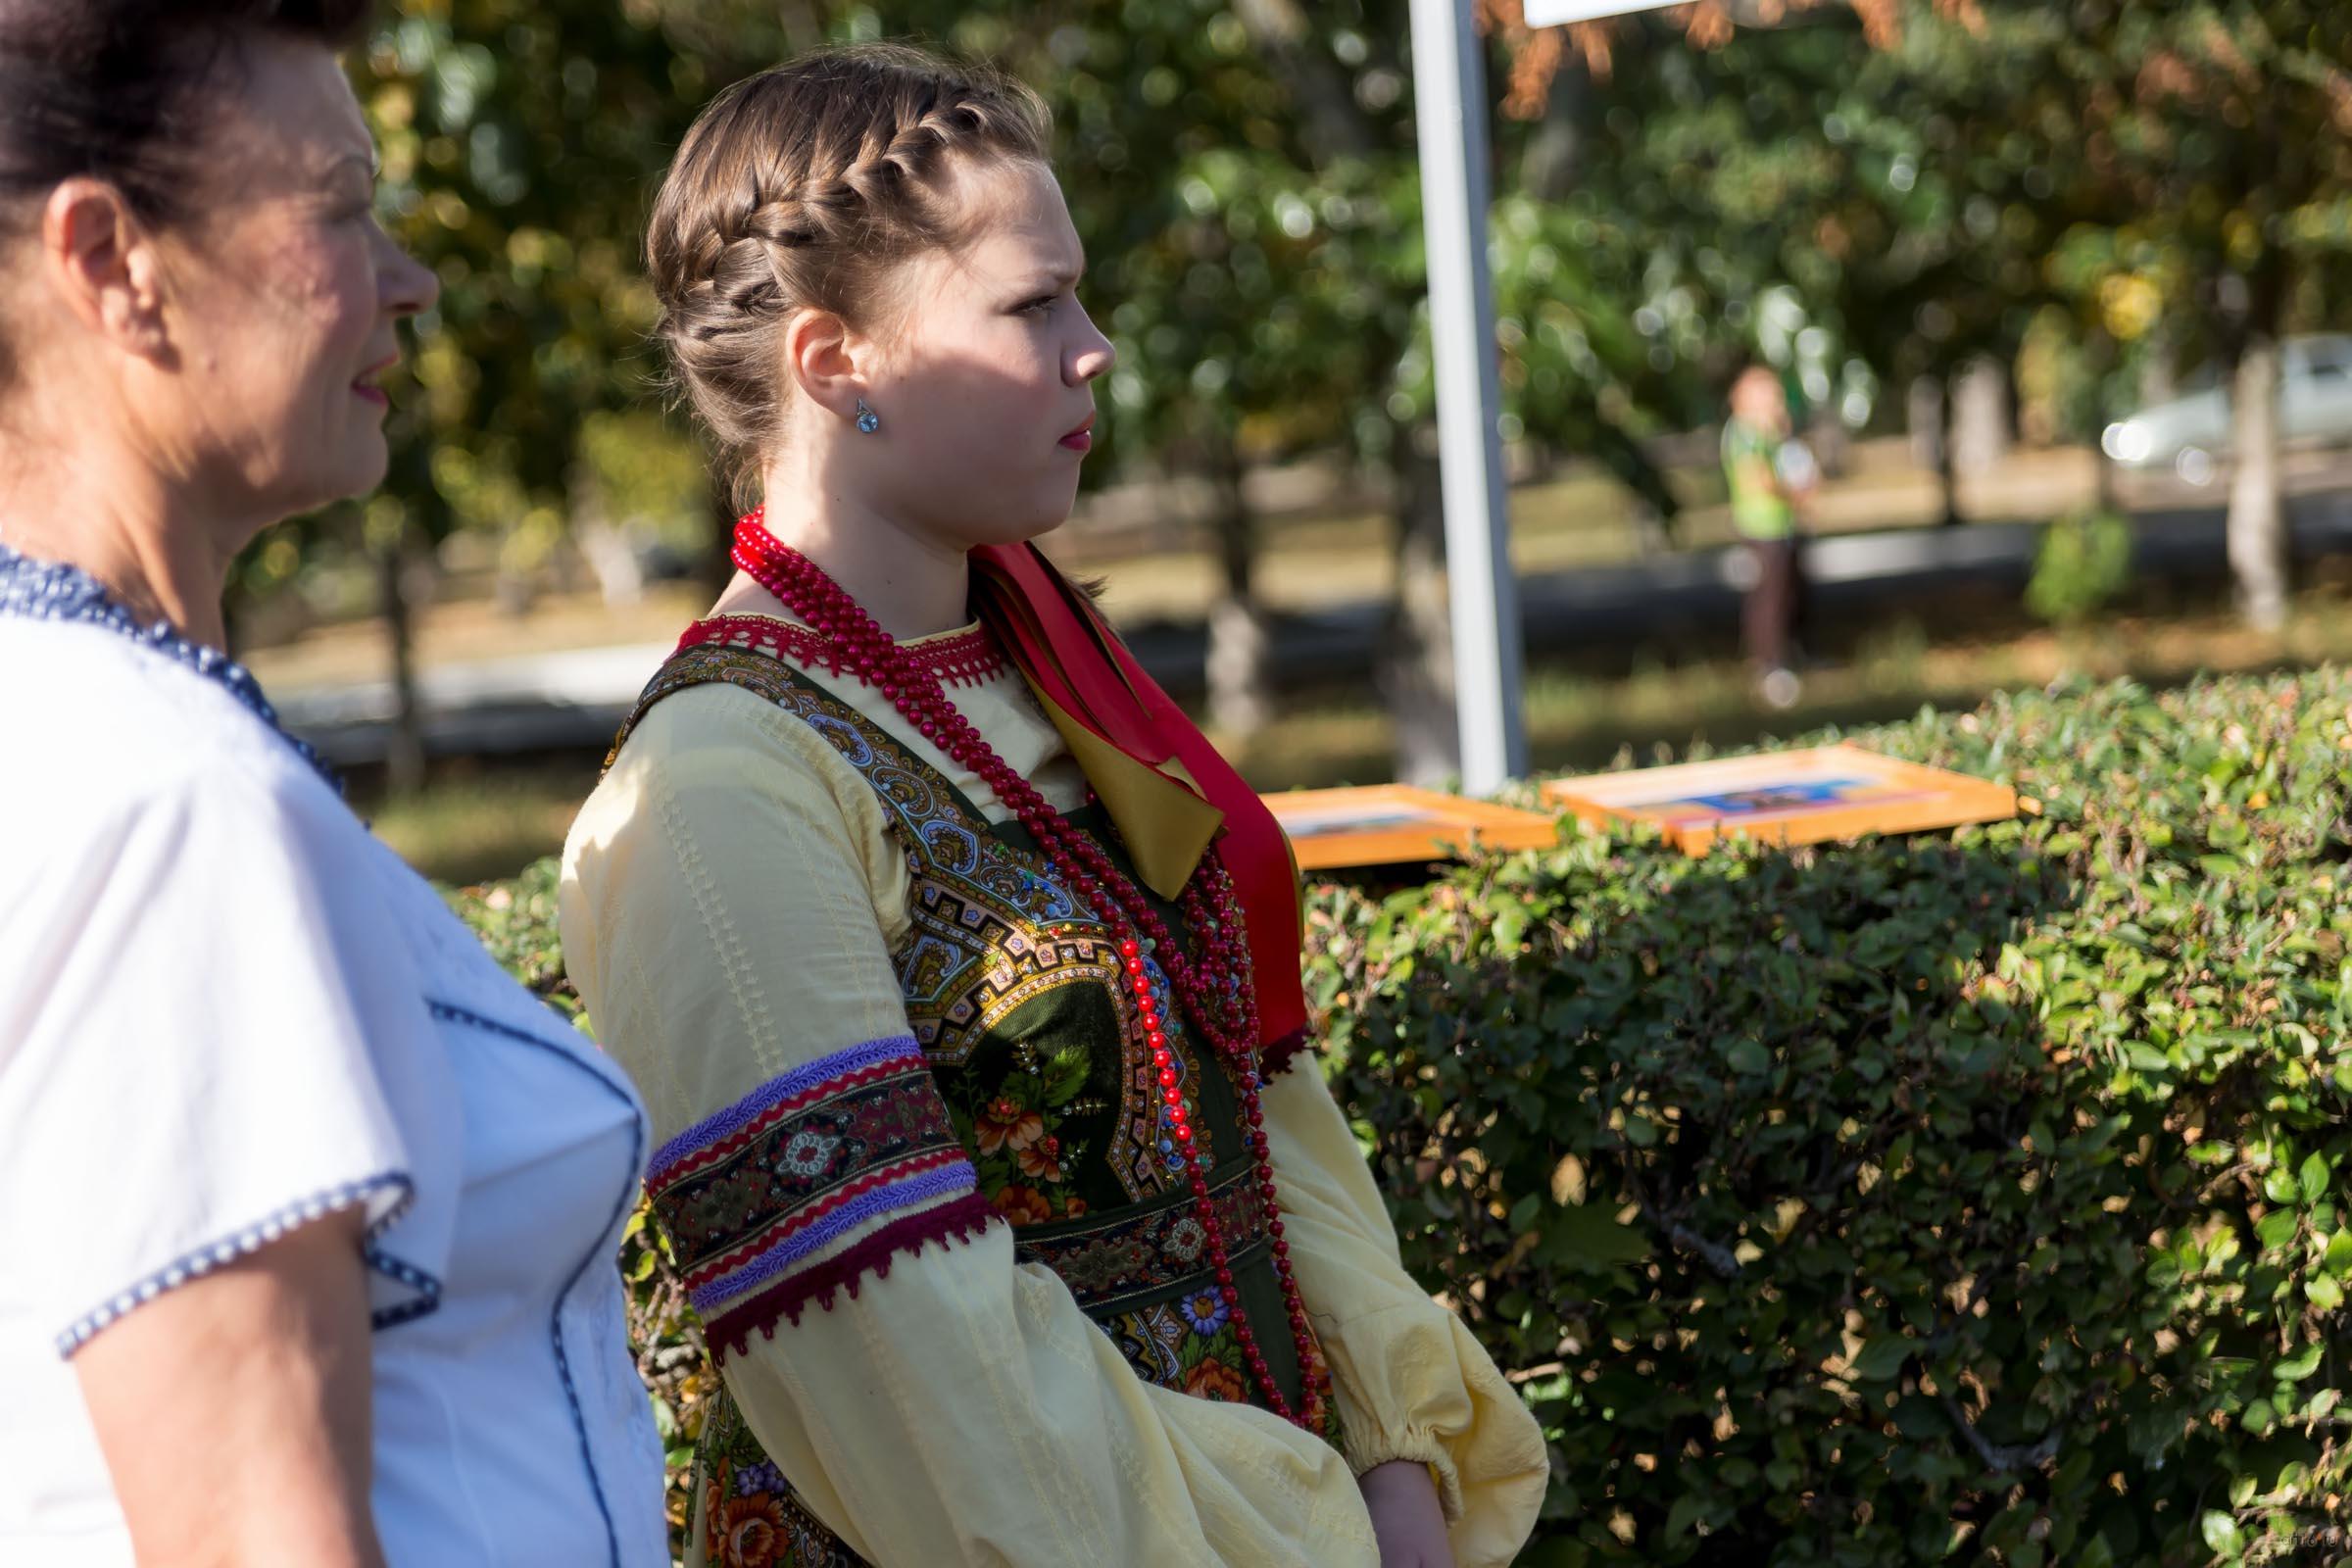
(1166, 824)
(730, 900)
(1411, 1382)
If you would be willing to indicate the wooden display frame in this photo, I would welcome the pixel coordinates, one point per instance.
(1823, 793)
(1391, 824)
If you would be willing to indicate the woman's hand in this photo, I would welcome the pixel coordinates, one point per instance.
(1408, 1519)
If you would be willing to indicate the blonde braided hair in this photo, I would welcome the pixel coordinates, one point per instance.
(804, 186)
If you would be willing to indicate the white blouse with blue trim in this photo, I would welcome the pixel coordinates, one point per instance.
(225, 1008)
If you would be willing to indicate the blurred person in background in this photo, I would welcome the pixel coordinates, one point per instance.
(1771, 475)
(309, 1211)
(962, 976)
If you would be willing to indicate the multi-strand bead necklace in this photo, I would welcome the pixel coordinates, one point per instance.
(1213, 984)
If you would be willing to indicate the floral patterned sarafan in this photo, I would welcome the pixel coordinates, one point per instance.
(1017, 1003)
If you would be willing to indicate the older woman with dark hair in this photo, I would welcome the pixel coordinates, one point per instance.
(308, 1211)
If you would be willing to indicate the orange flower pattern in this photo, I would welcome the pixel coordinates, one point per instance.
(1005, 1123)
(1213, 1379)
(1023, 1205)
(1042, 1084)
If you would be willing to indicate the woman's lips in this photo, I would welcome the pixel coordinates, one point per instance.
(1082, 438)
(364, 386)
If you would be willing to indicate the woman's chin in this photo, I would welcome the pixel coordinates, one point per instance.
(358, 473)
(362, 470)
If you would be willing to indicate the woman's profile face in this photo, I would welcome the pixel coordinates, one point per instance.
(283, 294)
(987, 400)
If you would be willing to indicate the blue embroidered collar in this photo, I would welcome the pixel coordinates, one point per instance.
(39, 590)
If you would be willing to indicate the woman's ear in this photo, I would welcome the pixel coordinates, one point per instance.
(103, 267)
(821, 354)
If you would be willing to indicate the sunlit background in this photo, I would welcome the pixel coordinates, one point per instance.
(2023, 269)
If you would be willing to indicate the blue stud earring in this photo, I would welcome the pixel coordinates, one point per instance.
(868, 422)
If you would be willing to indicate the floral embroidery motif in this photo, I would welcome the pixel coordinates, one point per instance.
(1014, 997)
(802, 1186)
(1023, 1205)
(1213, 1379)
(810, 1153)
(1204, 1311)
(1148, 1249)
(748, 1515)
(1006, 1122)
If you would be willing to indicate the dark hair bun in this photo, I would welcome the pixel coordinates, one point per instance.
(115, 89)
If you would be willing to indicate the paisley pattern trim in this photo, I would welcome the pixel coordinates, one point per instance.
(1151, 1250)
(813, 1180)
(990, 929)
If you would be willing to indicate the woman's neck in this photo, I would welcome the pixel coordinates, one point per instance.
(912, 583)
(118, 522)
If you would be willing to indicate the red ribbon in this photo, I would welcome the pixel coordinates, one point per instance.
(1062, 643)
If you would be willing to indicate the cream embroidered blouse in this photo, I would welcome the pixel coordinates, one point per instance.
(730, 901)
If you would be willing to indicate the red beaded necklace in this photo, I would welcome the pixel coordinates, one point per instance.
(1213, 989)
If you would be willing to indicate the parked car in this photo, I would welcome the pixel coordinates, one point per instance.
(2189, 432)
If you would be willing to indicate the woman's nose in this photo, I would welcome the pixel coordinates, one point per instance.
(1092, 356)
(410, 288)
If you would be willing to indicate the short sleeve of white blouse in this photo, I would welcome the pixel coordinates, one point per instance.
(204, 1032)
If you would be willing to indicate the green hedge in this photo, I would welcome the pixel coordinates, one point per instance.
(1971, 1199)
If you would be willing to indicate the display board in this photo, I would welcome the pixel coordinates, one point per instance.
(1390, 824)
(1800, 797)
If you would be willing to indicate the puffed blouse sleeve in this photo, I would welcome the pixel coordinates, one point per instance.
(205, 1043)
(728, 905)
(1410, 1381)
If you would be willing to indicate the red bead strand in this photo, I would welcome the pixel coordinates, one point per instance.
(1213, 989)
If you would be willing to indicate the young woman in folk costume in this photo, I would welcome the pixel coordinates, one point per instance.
(961, 975)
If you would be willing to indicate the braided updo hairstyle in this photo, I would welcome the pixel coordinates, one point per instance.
(804, 186)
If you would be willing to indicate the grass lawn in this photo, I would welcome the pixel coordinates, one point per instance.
(476, 823)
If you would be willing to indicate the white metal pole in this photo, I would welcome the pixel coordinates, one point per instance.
(1450, 108)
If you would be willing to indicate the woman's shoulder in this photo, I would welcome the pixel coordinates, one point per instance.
(716, 778)
(719, 737)
(124, 733)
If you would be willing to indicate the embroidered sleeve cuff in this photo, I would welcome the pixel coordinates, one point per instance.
(810, 1183)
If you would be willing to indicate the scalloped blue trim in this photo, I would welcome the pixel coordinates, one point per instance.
(44, 590)
(572, 1393)
(251, 1237)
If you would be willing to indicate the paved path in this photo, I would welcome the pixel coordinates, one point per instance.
(574, 700)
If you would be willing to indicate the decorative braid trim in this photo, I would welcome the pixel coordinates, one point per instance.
(969, 657)
(1283, 1055)
(965, 1219)
(876, 1181)
(714, 1137)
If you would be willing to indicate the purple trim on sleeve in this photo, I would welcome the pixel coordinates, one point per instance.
(752, 1107)
(930, 1186)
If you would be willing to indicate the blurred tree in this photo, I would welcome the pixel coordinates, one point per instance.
(1812, 190)
(2204, 153)
(1244, 176)
(519, 144)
